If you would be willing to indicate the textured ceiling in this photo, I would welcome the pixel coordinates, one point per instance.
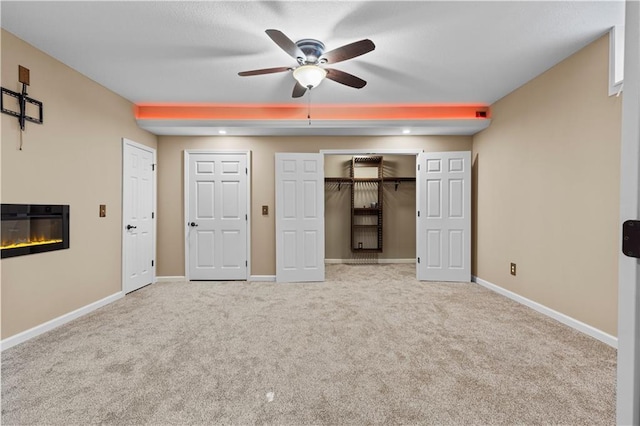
(427, 52)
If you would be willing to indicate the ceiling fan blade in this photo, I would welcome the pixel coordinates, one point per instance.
(298, 90)
(264, 71)
(345, 78)
(348, 51)
(286, 44)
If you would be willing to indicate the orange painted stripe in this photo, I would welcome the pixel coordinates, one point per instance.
(299, 112)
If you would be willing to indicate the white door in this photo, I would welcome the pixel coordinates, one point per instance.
(444, 216)
(628, 391)
(299, 217)
(216, 216)
(138, 217)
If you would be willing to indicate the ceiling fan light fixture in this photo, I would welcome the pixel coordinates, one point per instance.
(309, 76)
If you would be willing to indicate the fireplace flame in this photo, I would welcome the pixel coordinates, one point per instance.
(33, 241)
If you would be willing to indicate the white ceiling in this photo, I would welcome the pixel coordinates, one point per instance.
(427, 52)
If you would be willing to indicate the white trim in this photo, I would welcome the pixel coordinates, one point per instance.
(154, 190)
(381, 261)
(616, 60)
(558, 316)
(185, 209)
(57, 322)
(419, 127)
(172, 279)
(264, 278)
(628, 375)
(185, 206)
(372, 151)
(249, 206)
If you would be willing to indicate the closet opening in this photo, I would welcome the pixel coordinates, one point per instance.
(370, 206)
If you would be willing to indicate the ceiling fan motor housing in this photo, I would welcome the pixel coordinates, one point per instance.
(313, 49)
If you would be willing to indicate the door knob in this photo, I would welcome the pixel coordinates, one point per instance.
(193, 224)
(129, 227)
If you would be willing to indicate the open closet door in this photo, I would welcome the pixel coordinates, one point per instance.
(443, 187)
(299, 217)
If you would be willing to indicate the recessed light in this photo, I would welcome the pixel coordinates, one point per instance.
(222, 132)
(406, 131)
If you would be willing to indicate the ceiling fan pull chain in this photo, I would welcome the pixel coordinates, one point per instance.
(309, 107)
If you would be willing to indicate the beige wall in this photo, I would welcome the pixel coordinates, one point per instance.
(170, 184)
(73, 158)
(546, 185)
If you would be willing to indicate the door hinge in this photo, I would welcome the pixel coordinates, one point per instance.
(246, 263)
(246, 217)
(153, 215)
(418, 167)
(152, 263)
(246, 170)
(153, 167)
(631, 238)
(418, 213)
(418, 260)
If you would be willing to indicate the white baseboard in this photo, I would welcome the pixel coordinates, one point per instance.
(558, 316)
(171, 279)
(334, 261)
(264, 278)
(184, 279)
(57, 322)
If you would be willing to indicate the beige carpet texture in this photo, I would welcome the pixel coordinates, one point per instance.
(371, 345)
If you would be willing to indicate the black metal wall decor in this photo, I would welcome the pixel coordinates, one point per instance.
(21, 115)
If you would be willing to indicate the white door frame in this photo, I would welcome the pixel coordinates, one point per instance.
(154, 191)
(628, 383)
(372, 151)
(185, 206)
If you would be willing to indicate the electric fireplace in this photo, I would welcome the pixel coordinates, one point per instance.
(33, 228)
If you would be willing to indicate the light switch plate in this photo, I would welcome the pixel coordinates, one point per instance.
(265, 210)
(103, 210)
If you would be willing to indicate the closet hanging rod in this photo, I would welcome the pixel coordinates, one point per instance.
(397, 181)
(339, 182)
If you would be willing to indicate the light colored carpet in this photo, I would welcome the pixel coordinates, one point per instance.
(371, 345)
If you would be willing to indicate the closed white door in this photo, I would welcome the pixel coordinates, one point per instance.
(216, 216)
(628, 383)
(444, 216)
(138, 217)
(299, 217)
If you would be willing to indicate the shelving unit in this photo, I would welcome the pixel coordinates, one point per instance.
(366, 191)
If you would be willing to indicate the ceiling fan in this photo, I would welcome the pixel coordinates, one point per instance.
(310, 54)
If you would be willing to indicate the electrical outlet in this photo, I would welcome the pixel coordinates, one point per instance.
(103, 210)
(513, 268)
(265, 210)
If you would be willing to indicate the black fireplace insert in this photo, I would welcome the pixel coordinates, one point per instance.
(33, 228)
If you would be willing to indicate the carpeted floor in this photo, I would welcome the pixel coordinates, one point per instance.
(371, 345)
